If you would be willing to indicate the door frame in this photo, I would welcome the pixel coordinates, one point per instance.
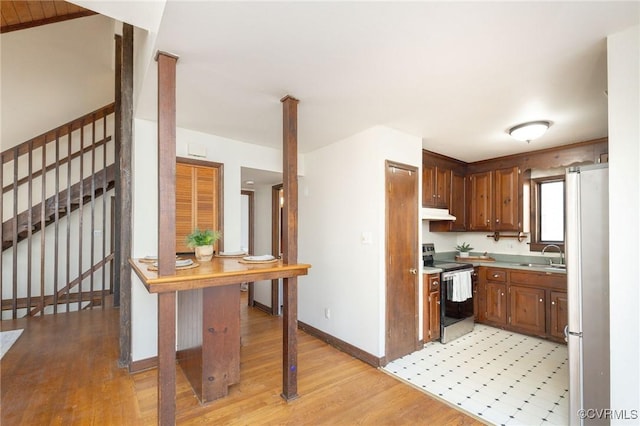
(251, 219)
(415, 254)
(276, 242)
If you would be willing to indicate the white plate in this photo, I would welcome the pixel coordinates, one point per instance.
(232, 253)
(262, 258)
(184, 262)
(179, 263)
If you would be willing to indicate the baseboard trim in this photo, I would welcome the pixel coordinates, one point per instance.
(143, 364)
(264, 308)
(345, 347)
(374, 361)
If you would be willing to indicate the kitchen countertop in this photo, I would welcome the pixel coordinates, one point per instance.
(510, 264)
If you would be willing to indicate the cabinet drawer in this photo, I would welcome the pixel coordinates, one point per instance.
(433, 282)
(498, 275)
(539, 279)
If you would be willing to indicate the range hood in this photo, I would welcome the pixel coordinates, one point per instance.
(427, 213)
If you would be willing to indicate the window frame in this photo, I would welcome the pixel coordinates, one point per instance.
(536, 244)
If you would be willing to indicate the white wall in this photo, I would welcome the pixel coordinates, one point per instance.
(262, 238)
(624, 210)
(67, 63)
(234, 155)
(341, 196)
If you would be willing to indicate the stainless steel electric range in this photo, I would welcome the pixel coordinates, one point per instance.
(456, 295)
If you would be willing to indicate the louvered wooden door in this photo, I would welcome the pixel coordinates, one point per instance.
(197, 201)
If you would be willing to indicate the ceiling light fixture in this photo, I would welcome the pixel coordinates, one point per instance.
(529, 131)
(249, 182)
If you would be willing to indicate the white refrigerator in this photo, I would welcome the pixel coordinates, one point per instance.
(587, 256)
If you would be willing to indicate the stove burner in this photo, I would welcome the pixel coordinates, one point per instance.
(450, 266)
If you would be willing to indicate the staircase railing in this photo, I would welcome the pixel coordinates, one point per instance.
(56, 219)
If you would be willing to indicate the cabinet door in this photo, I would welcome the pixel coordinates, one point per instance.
(184, 205)
(476, 295)
(559, 311)
(196, 201)
(443, 187)
(506, 207)
(431, 307)
(527, 308)
(481, 201)
(457, 202)
(428, 186)
(496, 303)
(434, 311)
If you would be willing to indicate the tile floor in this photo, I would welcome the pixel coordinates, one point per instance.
(501, 377)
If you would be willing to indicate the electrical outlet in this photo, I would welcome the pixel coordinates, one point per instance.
(327, 313)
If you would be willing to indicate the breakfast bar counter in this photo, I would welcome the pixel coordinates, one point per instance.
(205, 299)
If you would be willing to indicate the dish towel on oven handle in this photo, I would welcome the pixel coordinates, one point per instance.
(460, 287)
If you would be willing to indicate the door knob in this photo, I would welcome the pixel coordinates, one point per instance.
(414, 271)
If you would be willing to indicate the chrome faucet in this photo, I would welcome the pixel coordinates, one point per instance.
(559, 251)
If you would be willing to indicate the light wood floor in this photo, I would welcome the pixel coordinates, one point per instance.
(63, 371)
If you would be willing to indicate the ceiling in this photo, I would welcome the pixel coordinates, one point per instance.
(18, 15)
(458, 75)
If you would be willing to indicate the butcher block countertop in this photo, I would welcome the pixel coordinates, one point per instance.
(217, 272)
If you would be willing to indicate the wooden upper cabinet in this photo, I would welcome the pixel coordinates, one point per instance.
(494, 203)
(480, 201)
(457, 203)
(428, 185)
(507, 210)
(443, 187)
(436, 184)
(197, 199)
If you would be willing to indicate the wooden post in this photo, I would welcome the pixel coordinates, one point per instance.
(167, 358)
(124, 144)
(290, 247)
(166, 163)
(166, 235)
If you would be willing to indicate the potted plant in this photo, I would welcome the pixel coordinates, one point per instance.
(202, 241)
(464, 249)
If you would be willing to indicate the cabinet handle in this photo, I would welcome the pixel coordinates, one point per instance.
(436, 283)
(488, 221)
(540, 300)
(501, 294)
(434, 196)
(495, 275)
(497, 220)
(414, 271)
(553, 303)
(438, 302)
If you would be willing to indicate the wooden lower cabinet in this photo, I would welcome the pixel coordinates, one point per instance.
(431, 307)
(529, 302)
(559, 312)
(527, 309)
(475, 275)
(496, 303)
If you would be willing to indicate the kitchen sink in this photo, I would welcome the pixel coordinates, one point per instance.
(553, 266)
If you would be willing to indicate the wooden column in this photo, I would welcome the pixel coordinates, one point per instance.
(167, 358)
(290, 247)
(124, 148)
(166, 235)
(166, 163)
